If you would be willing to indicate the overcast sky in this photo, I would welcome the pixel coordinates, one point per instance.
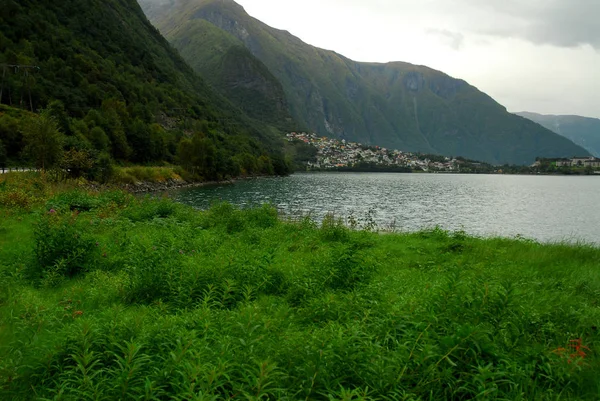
(530, 55)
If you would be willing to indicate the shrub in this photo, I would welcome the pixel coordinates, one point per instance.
(16, 198)
(103, 170)
(333, 229)
(61, 248)
(73, 200)
(225, 216)
(151, 208)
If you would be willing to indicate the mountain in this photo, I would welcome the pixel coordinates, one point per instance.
(113, 72)
(228, 66)
(584, 131)
(396, 105)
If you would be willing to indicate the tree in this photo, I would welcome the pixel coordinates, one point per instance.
(99, 139)
(56, 109)
(138, 137)
(43, 141)
(77, 162)
(198, 155)
(3, 156)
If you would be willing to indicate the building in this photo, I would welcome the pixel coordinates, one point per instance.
(580, 161)
(593, 162)
(563, 162)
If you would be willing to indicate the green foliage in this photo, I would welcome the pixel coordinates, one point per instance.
(11, 131)
(43, 141)
(77, 162)
(198, 156)
(583, 131)
(132, 175)
(152, 209)
(75, 200)
(232, 69)
(61, 247)
(112, 85)
(99, 139)
(3, 155)
(147, 299)
(103, 170)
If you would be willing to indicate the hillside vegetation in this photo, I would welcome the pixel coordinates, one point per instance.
(113, 86)
(395, 105)
(584, 131)
(105, 296)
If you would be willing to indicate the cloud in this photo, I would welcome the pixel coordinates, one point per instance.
(562, 23)
(452, 39)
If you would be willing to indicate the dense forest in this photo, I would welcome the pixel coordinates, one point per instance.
(87, 84)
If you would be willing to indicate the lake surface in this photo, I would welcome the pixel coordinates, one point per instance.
(545, 208)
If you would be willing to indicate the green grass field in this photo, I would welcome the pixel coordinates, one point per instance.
(104, 297)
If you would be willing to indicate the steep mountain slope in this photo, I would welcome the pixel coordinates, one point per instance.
(397, 105)
(228, 66)
(584, 131)
(112, 69)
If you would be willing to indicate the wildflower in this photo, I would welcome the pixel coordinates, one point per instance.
(576, 351)
(578, 348)
(52, 211)
(77, 313)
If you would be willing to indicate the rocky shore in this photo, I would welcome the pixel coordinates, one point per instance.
(141, 187)
(147, 187)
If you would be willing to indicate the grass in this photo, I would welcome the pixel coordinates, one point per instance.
(132, 175)
(27, 190)
(106, 296)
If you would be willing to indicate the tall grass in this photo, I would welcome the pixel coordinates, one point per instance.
(132, 175)
(111, 297)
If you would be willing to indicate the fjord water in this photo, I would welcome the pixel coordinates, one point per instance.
(544, 208)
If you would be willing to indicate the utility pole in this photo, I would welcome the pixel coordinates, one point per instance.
(17, 68)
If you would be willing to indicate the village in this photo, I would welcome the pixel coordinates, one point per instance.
(585, 162)
(341, 154)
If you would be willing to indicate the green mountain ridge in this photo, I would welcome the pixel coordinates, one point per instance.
(396, 105)
(229, 67)
(584, 131)
(114, 71)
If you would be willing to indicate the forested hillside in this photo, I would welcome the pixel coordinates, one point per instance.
(396, 105)
(584, 131)
(111, 85)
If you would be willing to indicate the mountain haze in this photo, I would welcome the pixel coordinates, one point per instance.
(584, 131)
(396, 105)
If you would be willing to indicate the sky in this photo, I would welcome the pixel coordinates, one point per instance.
(530, 55)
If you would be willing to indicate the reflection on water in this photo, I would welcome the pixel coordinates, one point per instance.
(546, 208)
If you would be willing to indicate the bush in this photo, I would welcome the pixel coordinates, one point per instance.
(103, 170)
(150, 208)
(61, 248)
(132, 175)
(333, 229)
(73, 200)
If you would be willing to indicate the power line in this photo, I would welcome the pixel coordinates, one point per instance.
(27, 84)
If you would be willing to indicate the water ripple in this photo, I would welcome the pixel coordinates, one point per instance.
(546, 208)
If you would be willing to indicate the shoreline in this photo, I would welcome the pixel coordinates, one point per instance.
(142, 187)
(169, 185)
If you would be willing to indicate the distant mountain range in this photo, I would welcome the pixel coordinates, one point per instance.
(584, 131)
(275, 77)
